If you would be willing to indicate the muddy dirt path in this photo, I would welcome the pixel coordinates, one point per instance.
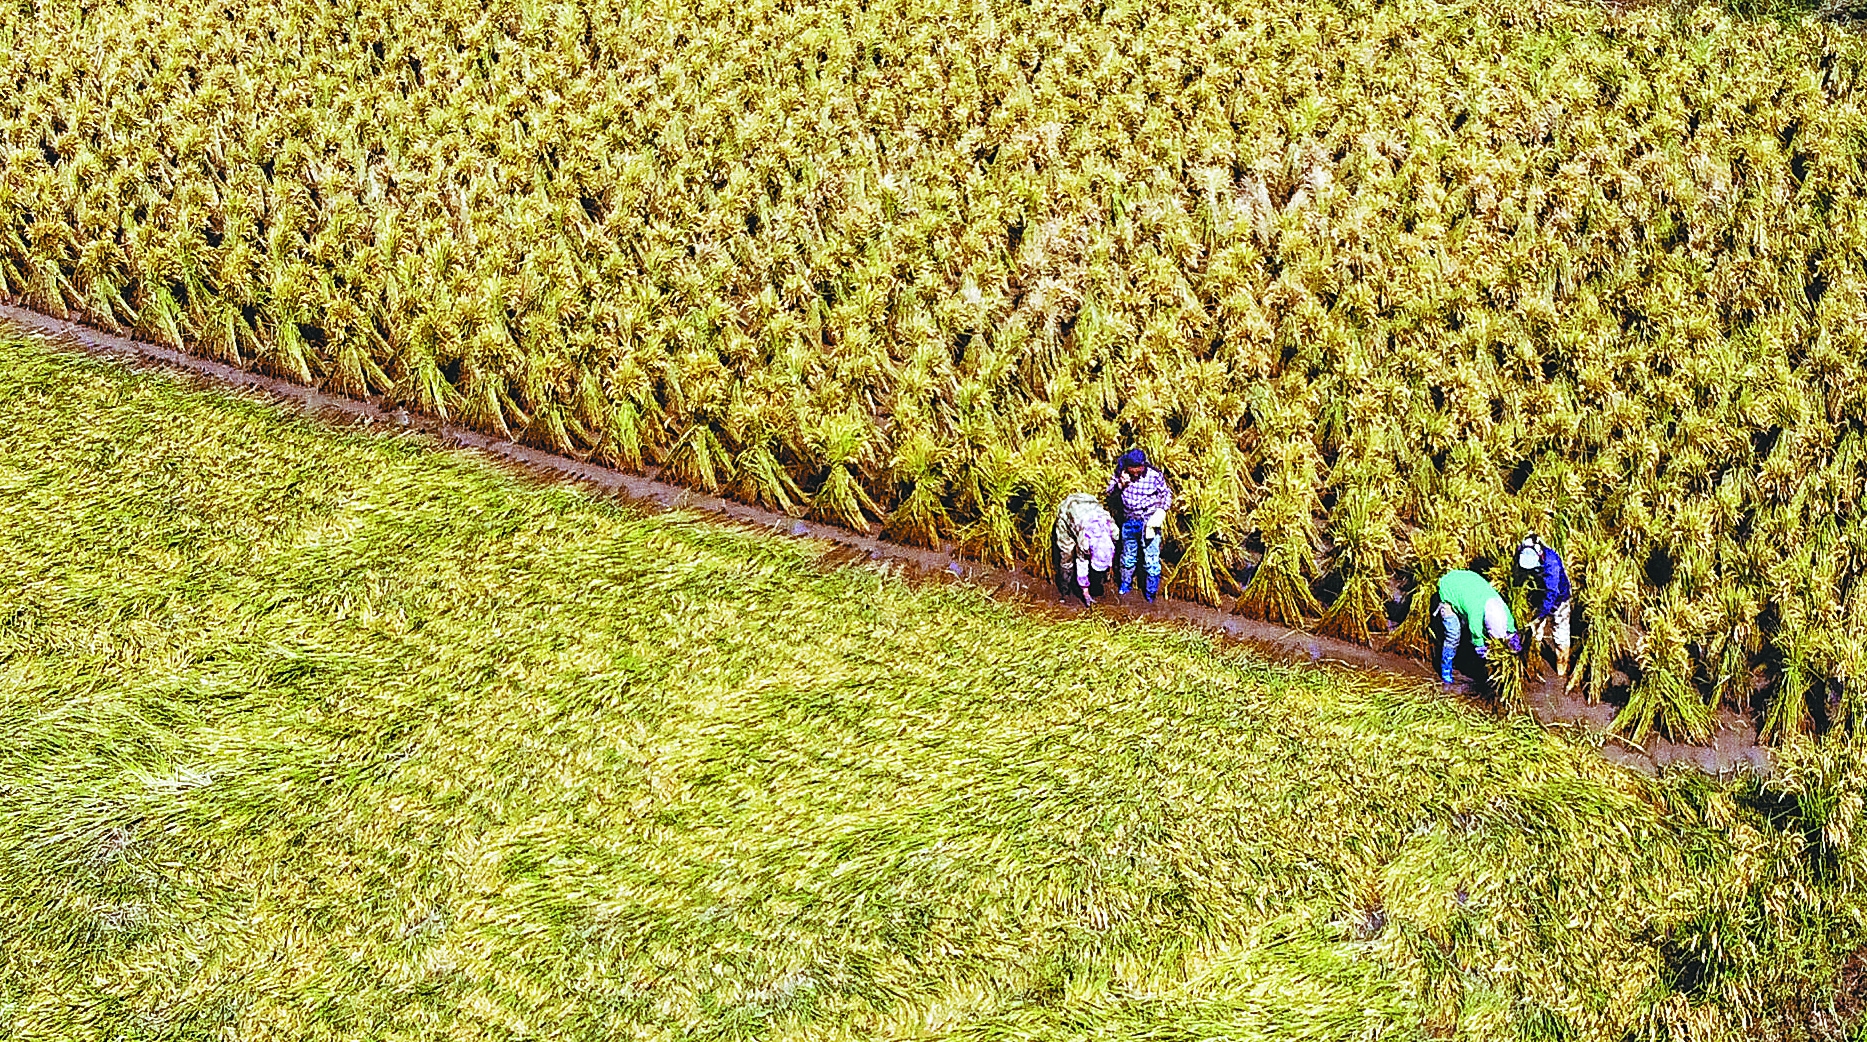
(1734, 746)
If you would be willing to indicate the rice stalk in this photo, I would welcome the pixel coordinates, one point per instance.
(1363, 537)
(840, 443)
(1786, 709)
(1664, 696)
(1279, 590)
(1211, 510)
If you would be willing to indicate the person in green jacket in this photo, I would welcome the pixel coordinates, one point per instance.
(1469, 603)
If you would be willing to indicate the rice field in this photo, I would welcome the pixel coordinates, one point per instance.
(320, 734)
(1381, 284)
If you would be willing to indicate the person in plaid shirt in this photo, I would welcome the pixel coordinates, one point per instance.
(1145, 500)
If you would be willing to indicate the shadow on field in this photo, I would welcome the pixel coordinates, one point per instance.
(1734, 746)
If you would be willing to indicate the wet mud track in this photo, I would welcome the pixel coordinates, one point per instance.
(1733, 748)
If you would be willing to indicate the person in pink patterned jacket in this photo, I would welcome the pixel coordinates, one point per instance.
(1085, 538)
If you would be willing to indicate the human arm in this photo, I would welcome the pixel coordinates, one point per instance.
(1513, 642)
(1497, 623)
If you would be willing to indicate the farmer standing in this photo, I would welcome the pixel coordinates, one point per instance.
(1145, 499)
(1085, 545)
(1469, 603)
(1551, 618)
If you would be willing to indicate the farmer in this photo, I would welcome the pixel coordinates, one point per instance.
(1085, 546)
(1145, 499)
(1551, 618)
(1467, 602)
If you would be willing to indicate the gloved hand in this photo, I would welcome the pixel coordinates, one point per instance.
(1154, 523)
(1483, 650)
(1516, 642)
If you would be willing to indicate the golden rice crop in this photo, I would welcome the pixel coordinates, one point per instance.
(1382, 284)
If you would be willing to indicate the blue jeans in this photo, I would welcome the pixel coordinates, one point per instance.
(1455, 631)
(1134, 544)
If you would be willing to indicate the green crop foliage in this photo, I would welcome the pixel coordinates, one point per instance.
(332, 735)
(1382, 284)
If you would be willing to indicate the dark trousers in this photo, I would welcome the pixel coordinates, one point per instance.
(1066, 578)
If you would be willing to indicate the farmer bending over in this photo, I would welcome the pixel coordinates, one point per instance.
(1467, 602)
(1085, 545)
(1145, 499)
(1551, 618)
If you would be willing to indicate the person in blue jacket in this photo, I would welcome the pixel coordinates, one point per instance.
(1551, 617)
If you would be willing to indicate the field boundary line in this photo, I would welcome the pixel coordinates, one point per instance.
(1277, 642)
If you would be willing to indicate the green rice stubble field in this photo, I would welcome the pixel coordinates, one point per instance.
(311, 734)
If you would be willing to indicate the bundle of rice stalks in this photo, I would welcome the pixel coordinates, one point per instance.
(1607, 597)
(1734, 645)
(993, 535)
(1786, 711)
(1506, 674)
(1363, 536)
(1210, 507)
(840, 443)
(758, 423)
(920, 516)
(699, 458)
(1664, 695)
(1434, 553)
(1279, 590)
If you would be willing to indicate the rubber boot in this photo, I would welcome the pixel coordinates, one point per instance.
(1153, 587)
(1562, 662)
(1127, 581)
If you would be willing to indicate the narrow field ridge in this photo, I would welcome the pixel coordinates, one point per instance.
(1734, 745)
